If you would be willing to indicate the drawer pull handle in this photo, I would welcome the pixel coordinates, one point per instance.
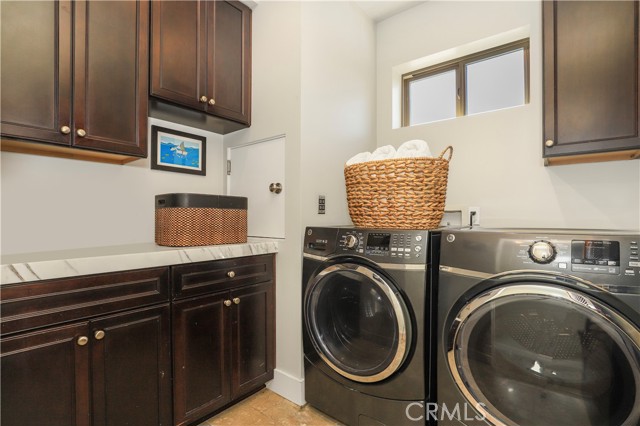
(236, 300)
(231, 274)
(99, 335)
(83, 340)
(227, 302)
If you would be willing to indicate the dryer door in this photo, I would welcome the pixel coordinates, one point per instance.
(538, 353)
(357, 322)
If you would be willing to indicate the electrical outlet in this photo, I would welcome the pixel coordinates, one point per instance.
(321, 204)
(474, 216)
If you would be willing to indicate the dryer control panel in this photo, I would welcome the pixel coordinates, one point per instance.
(597, 256)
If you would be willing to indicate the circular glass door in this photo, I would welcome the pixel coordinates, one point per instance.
(535, 354)
(357, 322)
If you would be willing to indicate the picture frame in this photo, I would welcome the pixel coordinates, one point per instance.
(176, 151)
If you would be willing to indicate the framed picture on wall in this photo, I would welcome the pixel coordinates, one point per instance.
(175, 151)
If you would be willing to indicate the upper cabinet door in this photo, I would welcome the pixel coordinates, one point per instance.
(229, 60)
(178, 67)
(36, 70)
(111, 75)
(591, 79)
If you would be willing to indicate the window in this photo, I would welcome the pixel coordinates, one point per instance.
(493, 79)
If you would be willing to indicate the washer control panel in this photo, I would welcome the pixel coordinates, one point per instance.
(379, 245)
(395, 246)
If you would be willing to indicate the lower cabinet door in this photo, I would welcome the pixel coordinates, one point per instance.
(201, 356)
(253, 326)
(131, 368)
(45, 377)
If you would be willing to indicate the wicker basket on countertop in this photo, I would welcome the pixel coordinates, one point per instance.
(200, 220)
(401, 193)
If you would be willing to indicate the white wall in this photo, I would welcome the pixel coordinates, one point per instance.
(497, 162)
(338, 103)
(314, 81)
(56, 204)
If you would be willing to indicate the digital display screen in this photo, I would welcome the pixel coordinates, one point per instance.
(595, 252)
(378, 241)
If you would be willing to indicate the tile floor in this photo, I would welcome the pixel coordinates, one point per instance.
(269, 408)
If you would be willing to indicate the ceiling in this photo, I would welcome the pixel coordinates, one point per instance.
(380, 10)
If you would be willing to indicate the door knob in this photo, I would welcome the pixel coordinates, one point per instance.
(203, 99)
(83, 340)
(227, 302)
(212, 102)
(275, 188)
(236, 300)
(65, 130)
(549, 143)
(81, 133)
(231, 274)
(99, 335)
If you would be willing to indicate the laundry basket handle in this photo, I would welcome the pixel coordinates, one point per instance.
(450, 149)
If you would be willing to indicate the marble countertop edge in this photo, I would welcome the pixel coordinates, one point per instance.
(31, 267)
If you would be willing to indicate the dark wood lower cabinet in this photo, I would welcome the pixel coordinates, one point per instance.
(120, 363)
(252, 348)
(45, 378)
(113, 350)
(131, 368)
(223, 349)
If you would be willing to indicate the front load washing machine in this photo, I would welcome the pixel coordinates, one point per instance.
(539, 327)
(367, 324)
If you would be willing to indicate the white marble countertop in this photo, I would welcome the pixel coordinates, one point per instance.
(17, 268)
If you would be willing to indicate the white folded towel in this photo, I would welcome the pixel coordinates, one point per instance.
(383, 153)
(359, 158)
(413, 148)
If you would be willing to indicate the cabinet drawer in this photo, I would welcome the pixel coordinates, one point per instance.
(201, 278)
(32, 305)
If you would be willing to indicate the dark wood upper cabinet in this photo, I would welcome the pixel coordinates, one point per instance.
(201, 56)
(36, 70)
(111, 75)
(591, 79)
(75, 74)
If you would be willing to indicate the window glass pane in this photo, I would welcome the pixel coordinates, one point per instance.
(496, 82)
(432, 98)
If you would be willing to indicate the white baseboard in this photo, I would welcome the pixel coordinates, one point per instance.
(288, 387)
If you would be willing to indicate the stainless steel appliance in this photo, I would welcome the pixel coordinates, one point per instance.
(367, 324)
(539, 327)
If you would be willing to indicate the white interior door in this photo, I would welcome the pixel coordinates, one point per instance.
(254, 168)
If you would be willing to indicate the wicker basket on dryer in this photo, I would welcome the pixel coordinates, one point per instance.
(401, 193)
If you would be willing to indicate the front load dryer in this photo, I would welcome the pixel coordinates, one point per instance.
(539, 327)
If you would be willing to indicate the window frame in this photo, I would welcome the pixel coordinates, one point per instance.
(459, 65)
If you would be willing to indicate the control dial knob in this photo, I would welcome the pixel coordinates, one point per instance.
(351, 241)
(542, 252)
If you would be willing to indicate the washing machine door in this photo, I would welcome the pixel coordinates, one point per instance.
(357, 322)
(533, 352)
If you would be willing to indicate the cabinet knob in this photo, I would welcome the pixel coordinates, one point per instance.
(227, 302)
(212, 102)
(99, 335)
(231, 274)
(65, 130)
(549, 143)
(83, 340)
(236, 300)
(203, 99)
(81, 133)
